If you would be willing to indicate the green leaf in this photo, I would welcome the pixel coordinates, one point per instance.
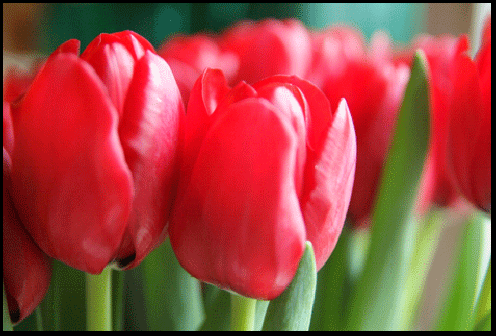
(376, 300)
(333, 282)
(426, 243)
(484, 301)
(172, 296)
(459, 309)
(217, 310)
(64, 305)
(260, 312)
(7, 323)
(293, 308)
(485, 323)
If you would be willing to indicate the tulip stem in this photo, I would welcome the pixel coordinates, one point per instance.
(99, 301)
(242, 313)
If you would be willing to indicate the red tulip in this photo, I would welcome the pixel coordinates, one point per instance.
(373, 87)
(26, 269)
(265, 167)
(94, 157)
(188, 56)
(469, 140)
(268, 48)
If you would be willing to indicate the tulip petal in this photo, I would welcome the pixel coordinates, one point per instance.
(71, 47)
(469, 144)
(26, 269)
(200, 108)
(364, 86)
(318, 115)
(185, 76)
(135, 44)
(329, 181)
(115, 66)
(374, 134)
(149, 132)
(288, 99)
(113, 57)
(72, 187)
(241, 91)
(240, 215)
(329, 170)
(483, 61)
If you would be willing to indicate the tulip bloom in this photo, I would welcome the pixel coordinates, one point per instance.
(373, 87)
(265, 168)
(267, 48)
(95, 152)
(26, 269)
(469, 140)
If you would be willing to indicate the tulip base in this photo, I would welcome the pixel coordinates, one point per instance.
(99, 301)
(242, 313)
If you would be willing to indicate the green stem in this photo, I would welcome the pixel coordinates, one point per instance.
(99, 301)
(242, 313)
(39, 319)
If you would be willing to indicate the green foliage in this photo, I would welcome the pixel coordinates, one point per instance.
(376, 299)
(293, 308)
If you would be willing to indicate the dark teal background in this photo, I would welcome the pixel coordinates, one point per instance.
(156, 22)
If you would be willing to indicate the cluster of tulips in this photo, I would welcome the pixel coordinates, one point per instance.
(239, 147)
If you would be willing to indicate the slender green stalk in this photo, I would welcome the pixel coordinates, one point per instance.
(118, 300)
(242, 313)
(39, 319)
(99, 301)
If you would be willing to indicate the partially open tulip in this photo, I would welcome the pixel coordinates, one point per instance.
(265, 168)
(373, 87)
(469, 140)
(26, 269)
(95, 152)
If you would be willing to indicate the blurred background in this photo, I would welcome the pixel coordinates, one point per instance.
(34, 30)
(40, 28)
